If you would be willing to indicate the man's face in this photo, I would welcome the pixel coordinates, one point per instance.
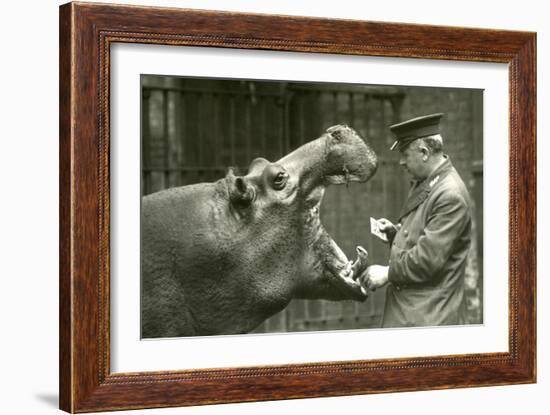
(410, 159)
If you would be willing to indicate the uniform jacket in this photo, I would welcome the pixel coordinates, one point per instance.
(428, 253)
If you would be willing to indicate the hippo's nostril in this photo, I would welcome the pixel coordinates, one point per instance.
(241, 185)
(242, 192)
(335, 132)
(338, 135)
(338, 132)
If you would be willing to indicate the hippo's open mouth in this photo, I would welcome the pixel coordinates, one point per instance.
(339, 156)
(341, 273)
(346, 278)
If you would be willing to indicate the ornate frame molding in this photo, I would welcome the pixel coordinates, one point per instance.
(86, 34)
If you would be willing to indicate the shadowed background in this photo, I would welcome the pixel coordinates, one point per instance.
(194, 129)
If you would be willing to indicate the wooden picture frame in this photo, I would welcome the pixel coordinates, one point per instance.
(86, 33)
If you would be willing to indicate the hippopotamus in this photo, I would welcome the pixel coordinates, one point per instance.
(222, 257)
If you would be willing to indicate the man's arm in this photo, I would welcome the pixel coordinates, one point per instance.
(449, 217)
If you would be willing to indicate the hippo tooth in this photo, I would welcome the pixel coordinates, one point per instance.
(346, 271)
(360, 263)
(346, 274)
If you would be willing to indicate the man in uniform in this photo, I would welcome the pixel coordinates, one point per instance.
(430, 243)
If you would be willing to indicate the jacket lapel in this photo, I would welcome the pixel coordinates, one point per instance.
(417, 195)
(420, 191)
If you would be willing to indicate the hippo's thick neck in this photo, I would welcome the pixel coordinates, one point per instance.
(308, 164)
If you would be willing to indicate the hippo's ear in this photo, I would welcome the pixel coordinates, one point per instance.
(240, 191)
(257, 166)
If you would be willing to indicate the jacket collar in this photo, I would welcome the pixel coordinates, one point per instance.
(420, 190)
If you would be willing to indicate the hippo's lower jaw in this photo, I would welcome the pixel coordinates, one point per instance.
(346, 278)
(333, 276)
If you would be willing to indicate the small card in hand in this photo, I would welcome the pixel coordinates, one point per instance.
(375, 230)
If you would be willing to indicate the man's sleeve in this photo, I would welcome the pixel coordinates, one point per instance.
(391, 235)
(449, 217)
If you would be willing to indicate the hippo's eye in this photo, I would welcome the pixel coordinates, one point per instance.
(280, 179)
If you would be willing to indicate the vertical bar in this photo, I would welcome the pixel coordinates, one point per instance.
(263, 129)
(216, 130)
(248, 128)
(166, 140)
(176, 134)
(182, 136)
(200, 135)
(366, 98)
(396, 104)
(351, 109)
(232, 127)
(283, 127)
(145, 142)
(382, 105)
(335, 108)
(172, 149)
(318, 119)
(301, 120)
(286, 96)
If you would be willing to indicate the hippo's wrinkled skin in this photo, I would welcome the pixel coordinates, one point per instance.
(220, 258)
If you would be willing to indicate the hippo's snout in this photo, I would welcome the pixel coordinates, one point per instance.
(338, 156)
(348, 156)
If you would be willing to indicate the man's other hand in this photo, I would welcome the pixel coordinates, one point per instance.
(374, 277)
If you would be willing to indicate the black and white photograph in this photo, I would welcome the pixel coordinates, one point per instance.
(275, 207)
(279, 206)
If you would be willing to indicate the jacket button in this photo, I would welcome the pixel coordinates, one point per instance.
(406, 232)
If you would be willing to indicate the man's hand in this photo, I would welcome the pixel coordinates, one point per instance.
(388, 228)
(374, 277)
